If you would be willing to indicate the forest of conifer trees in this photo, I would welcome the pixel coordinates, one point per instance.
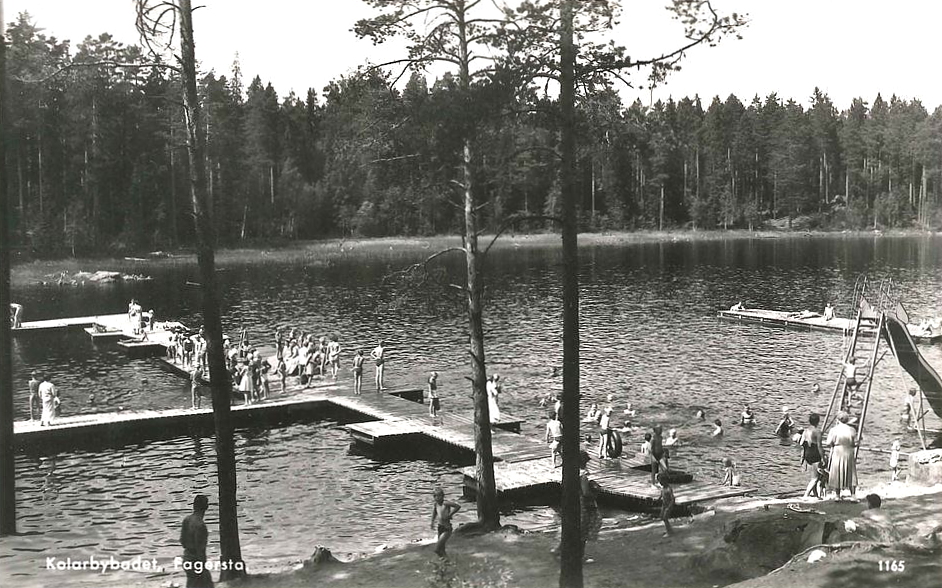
(96, 156)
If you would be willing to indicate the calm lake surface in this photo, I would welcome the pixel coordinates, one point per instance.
(648, 321)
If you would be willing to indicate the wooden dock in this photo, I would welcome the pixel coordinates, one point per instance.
(621, 484)
(807, 321)
(133, 426)
(109, 321)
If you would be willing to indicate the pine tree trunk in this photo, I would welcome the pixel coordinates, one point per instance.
(174, 231)
(231, 551)
(572, 547)
(7, 454)
(488, 513)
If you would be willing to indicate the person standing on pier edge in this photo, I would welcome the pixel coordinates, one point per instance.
(378, 355)
(358, 372)
(333, 356)
(554, 436)
(282, 370)
(443, 511)
(33, 394)
(605, 431)
(50, 400)
(434, 404)
(193, 537)
(196, 397)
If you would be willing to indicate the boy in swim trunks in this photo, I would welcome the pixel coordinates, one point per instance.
(378, 356)
(554, 436)
(358, 372)
(442, 511)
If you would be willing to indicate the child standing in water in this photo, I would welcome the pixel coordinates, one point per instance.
(358, 372)
(730, 476)
(667, 503)
(894, 461)
(442, 511)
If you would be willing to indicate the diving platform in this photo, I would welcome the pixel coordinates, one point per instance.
(804, 320)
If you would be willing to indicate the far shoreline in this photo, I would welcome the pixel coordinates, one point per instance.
(322, 252)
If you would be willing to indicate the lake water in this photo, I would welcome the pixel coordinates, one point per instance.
(648, 320)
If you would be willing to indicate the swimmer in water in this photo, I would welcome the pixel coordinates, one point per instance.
(747, 417)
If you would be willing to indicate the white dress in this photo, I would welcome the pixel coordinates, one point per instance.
(493, 406)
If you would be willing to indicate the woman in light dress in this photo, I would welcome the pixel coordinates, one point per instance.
(246, 382)
(842, 473)
(493, 400)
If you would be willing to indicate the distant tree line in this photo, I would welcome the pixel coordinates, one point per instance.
(97, 162)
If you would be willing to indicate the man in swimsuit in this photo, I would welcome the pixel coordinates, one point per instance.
(193, 537)
(554, 436)
(443, 511)
(333, 356)
(33, 394)
(358, 372)
(378, 356)
(434, 404)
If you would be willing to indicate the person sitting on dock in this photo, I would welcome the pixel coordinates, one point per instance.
(828, 312)
(747, 418)
(554, 437)
(738, 307)
(434, 404)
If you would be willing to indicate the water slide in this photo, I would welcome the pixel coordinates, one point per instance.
(913, 362)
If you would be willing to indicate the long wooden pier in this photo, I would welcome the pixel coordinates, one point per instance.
(132, 426)
(111, 321)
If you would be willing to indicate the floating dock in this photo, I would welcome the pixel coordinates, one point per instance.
(808, 321)
(108, 321)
